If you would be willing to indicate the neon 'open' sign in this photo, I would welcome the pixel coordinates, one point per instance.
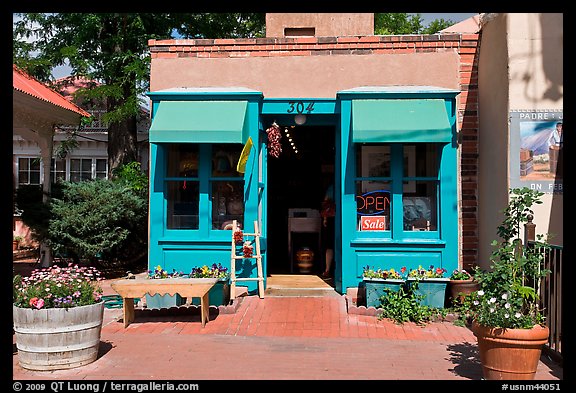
(373, 203)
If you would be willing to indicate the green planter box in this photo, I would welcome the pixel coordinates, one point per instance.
(377, 287)
(433, 290)
(164, 301)
(219, 295)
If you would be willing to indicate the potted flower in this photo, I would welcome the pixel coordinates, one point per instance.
(158, 301)
(461, 284)
(429, 284)
(507, 319)
(219, 295)
(16, 242)
(378, 282)
(57, 316)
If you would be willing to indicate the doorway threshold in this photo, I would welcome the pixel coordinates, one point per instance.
(298, 285)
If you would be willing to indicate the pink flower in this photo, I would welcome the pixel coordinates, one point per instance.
(37, 303)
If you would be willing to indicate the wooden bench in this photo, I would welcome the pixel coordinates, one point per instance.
(185, 287)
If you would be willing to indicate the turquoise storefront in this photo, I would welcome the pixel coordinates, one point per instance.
(389, 151)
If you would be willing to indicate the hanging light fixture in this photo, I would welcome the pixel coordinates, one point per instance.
(300, 119)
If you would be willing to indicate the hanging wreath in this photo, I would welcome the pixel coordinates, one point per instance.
(274, 136)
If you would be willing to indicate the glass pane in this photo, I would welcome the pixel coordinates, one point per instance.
(420, 207)
(75, 165)
(373, 160)
(227, 204)
(34, 177)
(225, 158)
(422, 159)
(182, 160)
(182, 198)
(23, 164)
(74, 176)
(23, 177)
(100, 165)
(373, 205)
(87, 165)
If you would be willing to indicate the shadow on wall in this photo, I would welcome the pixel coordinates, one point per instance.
(552, 25)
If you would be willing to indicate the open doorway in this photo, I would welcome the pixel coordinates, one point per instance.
(297, 183)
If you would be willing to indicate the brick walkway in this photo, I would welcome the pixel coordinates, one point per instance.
(278, 338)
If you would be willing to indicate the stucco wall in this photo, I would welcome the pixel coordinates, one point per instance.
(307, 76)
(493, 133)
(520, 68)
(326, 24)
(536, 47)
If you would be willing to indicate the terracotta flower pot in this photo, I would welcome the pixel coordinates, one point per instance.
(511, 354)
(460, 288)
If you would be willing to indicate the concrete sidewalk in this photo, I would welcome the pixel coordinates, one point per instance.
(278, 338)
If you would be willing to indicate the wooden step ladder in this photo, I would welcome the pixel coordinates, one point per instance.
(256, 255)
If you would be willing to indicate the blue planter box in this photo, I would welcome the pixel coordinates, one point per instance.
(433, 290)
(164, 301)
(376, 288)
(219, 295)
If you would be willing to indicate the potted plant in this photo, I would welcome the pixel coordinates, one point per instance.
(461, 284)
(16, 242)
(219, 295)
(57, 316)
(507, 319)
(430, 284)
(378, 282)
(158, 301)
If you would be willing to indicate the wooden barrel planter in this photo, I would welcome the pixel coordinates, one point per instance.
(58, 338)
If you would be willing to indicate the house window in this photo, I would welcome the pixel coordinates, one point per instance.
(29, 170)
(78, 169)
(203, 177)
(388, 173)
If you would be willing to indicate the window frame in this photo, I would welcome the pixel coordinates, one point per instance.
(205, 179)
(397, 190)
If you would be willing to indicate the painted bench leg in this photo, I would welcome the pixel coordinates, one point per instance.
(128, 308)
(204, 309)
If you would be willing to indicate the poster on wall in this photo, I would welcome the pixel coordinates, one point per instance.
(536, 149)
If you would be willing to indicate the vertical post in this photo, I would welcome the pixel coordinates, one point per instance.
(529, 230)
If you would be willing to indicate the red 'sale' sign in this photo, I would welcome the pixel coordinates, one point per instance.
(373, 223)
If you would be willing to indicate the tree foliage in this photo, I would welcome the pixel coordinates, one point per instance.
(102, 218)
(112, 48)
(402, 23)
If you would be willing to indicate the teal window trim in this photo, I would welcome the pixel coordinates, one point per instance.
(397, 234)
(205, 180)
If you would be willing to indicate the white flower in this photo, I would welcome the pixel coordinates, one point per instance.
(480, 292)
(518, 315)
(505, 296)
(507, 305)
(492, 309)
(506, 315)
(492, 300)
(476, 302)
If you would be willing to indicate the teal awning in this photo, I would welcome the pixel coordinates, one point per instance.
(199, 121)
(400, 120)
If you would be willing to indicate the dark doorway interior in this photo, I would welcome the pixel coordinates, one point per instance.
(298, 180)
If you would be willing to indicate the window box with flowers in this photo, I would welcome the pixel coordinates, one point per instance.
(219, 295)
(379, 282)
(429, 284)
(158, 301)
(57, 317)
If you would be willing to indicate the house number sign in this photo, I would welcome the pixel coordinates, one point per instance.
(300, 107)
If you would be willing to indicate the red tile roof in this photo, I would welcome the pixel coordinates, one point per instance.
(28, 85)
